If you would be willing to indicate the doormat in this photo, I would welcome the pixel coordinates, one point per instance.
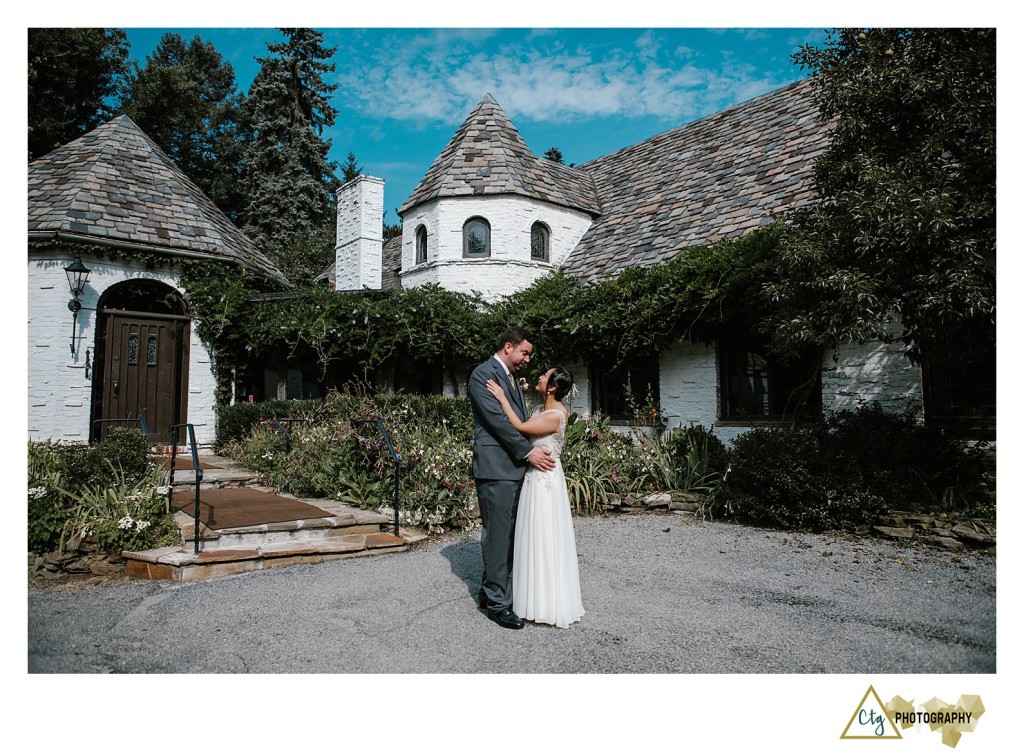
(237, 508)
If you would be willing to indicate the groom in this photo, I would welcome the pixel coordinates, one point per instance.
(500, 456)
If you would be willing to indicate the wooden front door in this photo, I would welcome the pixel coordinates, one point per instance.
(143, 372)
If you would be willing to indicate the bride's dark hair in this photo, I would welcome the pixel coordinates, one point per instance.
(561, 380)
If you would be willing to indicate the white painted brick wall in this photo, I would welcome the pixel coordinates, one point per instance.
(59, 392)
(360, 236)
(688, 374)
(875, 372)
(854, 374)
(509, 267)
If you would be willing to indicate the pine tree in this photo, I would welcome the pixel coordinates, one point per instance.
(185, 98)
(289, 181)
(351, 169)
(72, 73)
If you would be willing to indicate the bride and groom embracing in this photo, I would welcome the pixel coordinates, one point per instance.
(525, 513)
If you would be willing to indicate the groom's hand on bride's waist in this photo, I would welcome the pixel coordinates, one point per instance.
(540, 458)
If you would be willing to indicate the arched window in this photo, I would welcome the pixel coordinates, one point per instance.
(421, 245)
(540, 238)
(476, 238)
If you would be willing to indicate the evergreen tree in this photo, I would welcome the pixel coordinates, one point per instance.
(350, 170)
(72, 73)
(555, 155)
(185, 98)
(289, 181)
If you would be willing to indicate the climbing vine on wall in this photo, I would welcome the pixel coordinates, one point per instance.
(639, 312)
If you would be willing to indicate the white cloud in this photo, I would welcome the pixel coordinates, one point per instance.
(438, 76)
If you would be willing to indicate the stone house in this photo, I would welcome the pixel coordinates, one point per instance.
(123, 348)
(491, 217)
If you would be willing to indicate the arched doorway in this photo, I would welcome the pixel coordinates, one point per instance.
(141, 370)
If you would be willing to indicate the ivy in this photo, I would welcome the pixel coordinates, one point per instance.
(638, 313)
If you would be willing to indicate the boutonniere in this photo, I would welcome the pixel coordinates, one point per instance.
(522, 384)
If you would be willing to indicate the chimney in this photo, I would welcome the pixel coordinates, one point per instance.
(359, 246)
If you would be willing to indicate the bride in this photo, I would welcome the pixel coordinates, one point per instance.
(545, 574)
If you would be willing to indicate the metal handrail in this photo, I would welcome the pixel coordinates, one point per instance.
(143, 427)
(287, 434)
(395, 459)
(199, 475)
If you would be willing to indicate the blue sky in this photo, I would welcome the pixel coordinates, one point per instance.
(402, 92)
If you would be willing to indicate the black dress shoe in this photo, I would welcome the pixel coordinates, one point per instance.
(507, 619)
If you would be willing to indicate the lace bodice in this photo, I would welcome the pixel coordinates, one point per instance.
(552, 441)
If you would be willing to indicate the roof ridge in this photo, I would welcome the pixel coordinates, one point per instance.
(488, 156)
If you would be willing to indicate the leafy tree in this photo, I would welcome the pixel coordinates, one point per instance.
(71, 75)
(390, 231)
(906, 221)
(308, 255)
(185, 98)
(350, 170)
(555, 155)
(288, 180)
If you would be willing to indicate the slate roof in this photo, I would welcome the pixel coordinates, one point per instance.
(487, 156)
(115, 185)
(391, 264)
(715, 178)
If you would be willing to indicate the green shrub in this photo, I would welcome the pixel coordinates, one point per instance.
(913, 466)
(76, 489)
(124, 448)
(690, 459)
(851, 468)
(599, 462)
(234, 422)
(340, 453)
(682, 443)
(48, 508)
(785, 478)
(125, 514)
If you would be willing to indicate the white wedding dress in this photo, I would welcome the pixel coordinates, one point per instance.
(545, 574)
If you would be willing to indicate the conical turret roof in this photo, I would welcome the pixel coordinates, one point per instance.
(115, 185)
(487, 156)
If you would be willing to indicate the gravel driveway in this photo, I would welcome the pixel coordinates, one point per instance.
(663, 595)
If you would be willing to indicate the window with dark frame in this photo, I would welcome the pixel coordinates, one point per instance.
(476, 238)
(960, 386)
(617, 392)
(754, 385)
(540, 238)
(421, 245)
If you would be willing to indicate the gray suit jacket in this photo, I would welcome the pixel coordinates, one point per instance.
(499, 450)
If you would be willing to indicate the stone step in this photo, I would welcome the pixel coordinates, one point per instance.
(342, 520)
(216, 478)
(344, 533)
(180, 564)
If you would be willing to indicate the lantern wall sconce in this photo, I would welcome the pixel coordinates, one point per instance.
(78, 276)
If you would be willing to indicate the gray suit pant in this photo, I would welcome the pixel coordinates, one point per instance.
(499, 502)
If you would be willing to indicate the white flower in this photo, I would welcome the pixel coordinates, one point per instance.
(125, 522)
(142, 525)
(163, 491)
(37, 492)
